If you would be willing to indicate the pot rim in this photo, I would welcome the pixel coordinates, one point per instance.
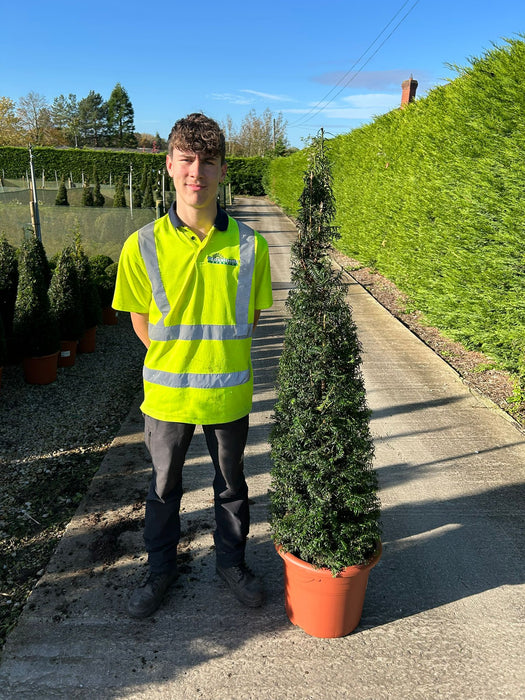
(351, 570)
(41, 357)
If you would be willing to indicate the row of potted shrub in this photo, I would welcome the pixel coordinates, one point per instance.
(49, 309)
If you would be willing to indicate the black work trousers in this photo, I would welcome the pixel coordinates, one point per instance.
(167, 444)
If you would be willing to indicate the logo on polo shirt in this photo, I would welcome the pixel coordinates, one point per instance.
(218, 259)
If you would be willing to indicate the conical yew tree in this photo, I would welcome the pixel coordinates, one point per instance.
(324, 504)
(66, 297)
(119, 199)
(34, 326)
(61, 198)
(98, 198)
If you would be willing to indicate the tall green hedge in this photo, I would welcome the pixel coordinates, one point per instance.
(432, 197)
(284, 180)
(245, 174)
(14, 162)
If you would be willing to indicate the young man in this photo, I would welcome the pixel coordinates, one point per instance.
(195, 282)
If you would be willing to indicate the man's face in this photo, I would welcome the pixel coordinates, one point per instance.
(196, 177)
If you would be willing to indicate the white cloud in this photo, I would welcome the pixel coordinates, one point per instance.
(233, 99)
(269, 96)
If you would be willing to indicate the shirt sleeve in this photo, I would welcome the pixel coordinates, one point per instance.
(263, 278)
(132, 288)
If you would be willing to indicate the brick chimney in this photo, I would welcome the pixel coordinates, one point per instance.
(409, 88)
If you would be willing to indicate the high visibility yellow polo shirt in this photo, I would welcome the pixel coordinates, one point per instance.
(200, 297)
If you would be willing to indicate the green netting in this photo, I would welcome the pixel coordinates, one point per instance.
(103, 230)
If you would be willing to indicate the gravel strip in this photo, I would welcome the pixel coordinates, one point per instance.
(52, 441)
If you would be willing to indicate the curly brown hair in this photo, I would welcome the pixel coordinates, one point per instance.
(198, 133)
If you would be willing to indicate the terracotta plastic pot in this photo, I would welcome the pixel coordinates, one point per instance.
(88, 341)
(68, 353)
(109, 316)
(323, 605)
(41, 370)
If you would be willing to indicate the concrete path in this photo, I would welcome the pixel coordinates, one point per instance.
(443, 616)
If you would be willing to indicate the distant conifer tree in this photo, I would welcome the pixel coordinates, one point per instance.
(61, 198)
(144, 179)
(98, 198)
(87, 195)
(147, 200)
(120, 198)
(137, 195)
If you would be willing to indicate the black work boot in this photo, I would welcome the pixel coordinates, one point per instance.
(243, 583)
(149, 595)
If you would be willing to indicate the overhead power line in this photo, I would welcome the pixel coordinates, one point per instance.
(323, 103)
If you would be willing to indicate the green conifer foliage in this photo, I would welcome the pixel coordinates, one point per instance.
(90, 298)
(61, 198)
(87, 195)
(120, 198)
(8, 283)
(99, 263)
(98, 198)
(147, 200)
(144, 179)
(66, 297)
(104, 272)
(34, 325)
(324, 505)
(137, 195)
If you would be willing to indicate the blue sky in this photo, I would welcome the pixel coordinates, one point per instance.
(330, 65)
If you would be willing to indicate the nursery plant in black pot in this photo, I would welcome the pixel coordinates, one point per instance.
(34, 327)
(66, 303)
(324, 508)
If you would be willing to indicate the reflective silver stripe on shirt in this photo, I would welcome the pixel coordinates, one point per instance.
(148, 250)
(196, 381)
(200, 332)
(241, 329)
(244, 284)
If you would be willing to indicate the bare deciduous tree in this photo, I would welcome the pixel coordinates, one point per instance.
(257, 136)
(34, 117)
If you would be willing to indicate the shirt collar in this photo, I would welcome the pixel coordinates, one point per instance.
(221, 220)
